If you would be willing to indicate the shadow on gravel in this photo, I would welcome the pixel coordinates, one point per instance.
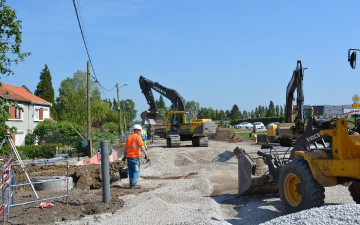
(224, 157)
(251, 209)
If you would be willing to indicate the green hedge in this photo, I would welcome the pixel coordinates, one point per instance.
(264, 120)
(35, 151)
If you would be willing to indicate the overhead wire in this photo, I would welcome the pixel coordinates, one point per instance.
(84, 37)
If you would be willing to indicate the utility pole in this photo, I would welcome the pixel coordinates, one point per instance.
(124, 112)
(89, 142)
(118, 100)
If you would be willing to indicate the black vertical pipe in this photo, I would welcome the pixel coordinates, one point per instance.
(105, 172)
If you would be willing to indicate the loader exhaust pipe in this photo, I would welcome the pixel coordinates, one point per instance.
(149, 117)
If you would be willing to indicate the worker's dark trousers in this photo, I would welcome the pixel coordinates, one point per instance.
(133, 170)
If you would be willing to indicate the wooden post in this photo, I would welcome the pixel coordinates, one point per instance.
(88, 112)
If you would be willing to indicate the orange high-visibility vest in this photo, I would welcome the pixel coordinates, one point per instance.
(132, 146)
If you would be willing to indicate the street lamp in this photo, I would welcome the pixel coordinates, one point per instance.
(118, 98)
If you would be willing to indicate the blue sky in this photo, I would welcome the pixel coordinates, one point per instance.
(217, 53)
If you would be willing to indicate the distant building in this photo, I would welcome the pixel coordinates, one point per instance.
(34, 110)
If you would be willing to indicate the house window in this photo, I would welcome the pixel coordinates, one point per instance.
(16, 113)
(41, 113)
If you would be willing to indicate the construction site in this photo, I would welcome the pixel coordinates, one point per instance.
(86, 157)
(198, 173)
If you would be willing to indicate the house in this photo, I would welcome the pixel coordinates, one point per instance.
(35, 110)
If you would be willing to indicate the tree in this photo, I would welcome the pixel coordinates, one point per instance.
(45, 90)
(71, 104)
(271, 111)
(277, 110)
(10, 44)
(235, 113)
(192, 108)
(161, 103)
(10, 34)
(281, 110)
(129, 113)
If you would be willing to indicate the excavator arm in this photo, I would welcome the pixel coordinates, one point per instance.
(146, 85)
(296, 82)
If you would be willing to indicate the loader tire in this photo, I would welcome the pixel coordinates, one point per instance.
(354, 190)
(298, 188)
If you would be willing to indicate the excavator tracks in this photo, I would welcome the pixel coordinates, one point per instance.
(173, 141)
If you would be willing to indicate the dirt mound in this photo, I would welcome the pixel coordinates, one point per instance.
(225, 135)
(89, 175)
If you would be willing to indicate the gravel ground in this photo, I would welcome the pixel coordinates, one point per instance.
(199, 186)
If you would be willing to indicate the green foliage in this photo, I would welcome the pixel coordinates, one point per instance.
(111, 127)
(71, 104)
(45, 90)
(62, 132)
(235, 113)
(98, 135)
(10, 43)
(58, 132)
(30, 139)
(4, 115)
(161, 103)
(11, 39)
(271, 111)
(99, 109)
(32, 151)
(162, 113)
(128, 113)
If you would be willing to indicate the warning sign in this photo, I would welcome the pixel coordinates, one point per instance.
(356, 99)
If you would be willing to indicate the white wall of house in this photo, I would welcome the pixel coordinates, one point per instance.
(26, 121)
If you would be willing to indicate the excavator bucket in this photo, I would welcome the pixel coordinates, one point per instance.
(248, 182)
(149, 117)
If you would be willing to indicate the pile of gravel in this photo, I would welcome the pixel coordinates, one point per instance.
(331, 214)
(179, 196)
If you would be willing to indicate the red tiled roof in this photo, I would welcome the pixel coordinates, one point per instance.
(20, 94)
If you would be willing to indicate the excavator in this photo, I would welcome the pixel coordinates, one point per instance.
(179, 124)
(286, 133)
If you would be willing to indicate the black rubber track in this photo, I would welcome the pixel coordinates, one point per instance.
(313, 194)
(354, 189)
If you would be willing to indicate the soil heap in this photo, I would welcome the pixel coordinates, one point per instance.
(226, 135)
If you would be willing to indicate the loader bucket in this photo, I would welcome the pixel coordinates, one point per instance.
(248, 182)
(149, 117)
(245, 168)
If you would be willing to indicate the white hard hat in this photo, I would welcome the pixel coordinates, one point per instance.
(137, 127)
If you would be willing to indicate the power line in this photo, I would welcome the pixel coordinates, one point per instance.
(83, 35)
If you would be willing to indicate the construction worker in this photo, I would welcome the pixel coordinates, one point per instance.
(133, 146)
(144, 138)
(152, 133)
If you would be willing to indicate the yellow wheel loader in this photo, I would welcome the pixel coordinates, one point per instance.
(300, 173)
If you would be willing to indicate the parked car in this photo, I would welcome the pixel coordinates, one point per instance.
(237, 125)
(242, 125)
(249, 126)
(259, 125)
